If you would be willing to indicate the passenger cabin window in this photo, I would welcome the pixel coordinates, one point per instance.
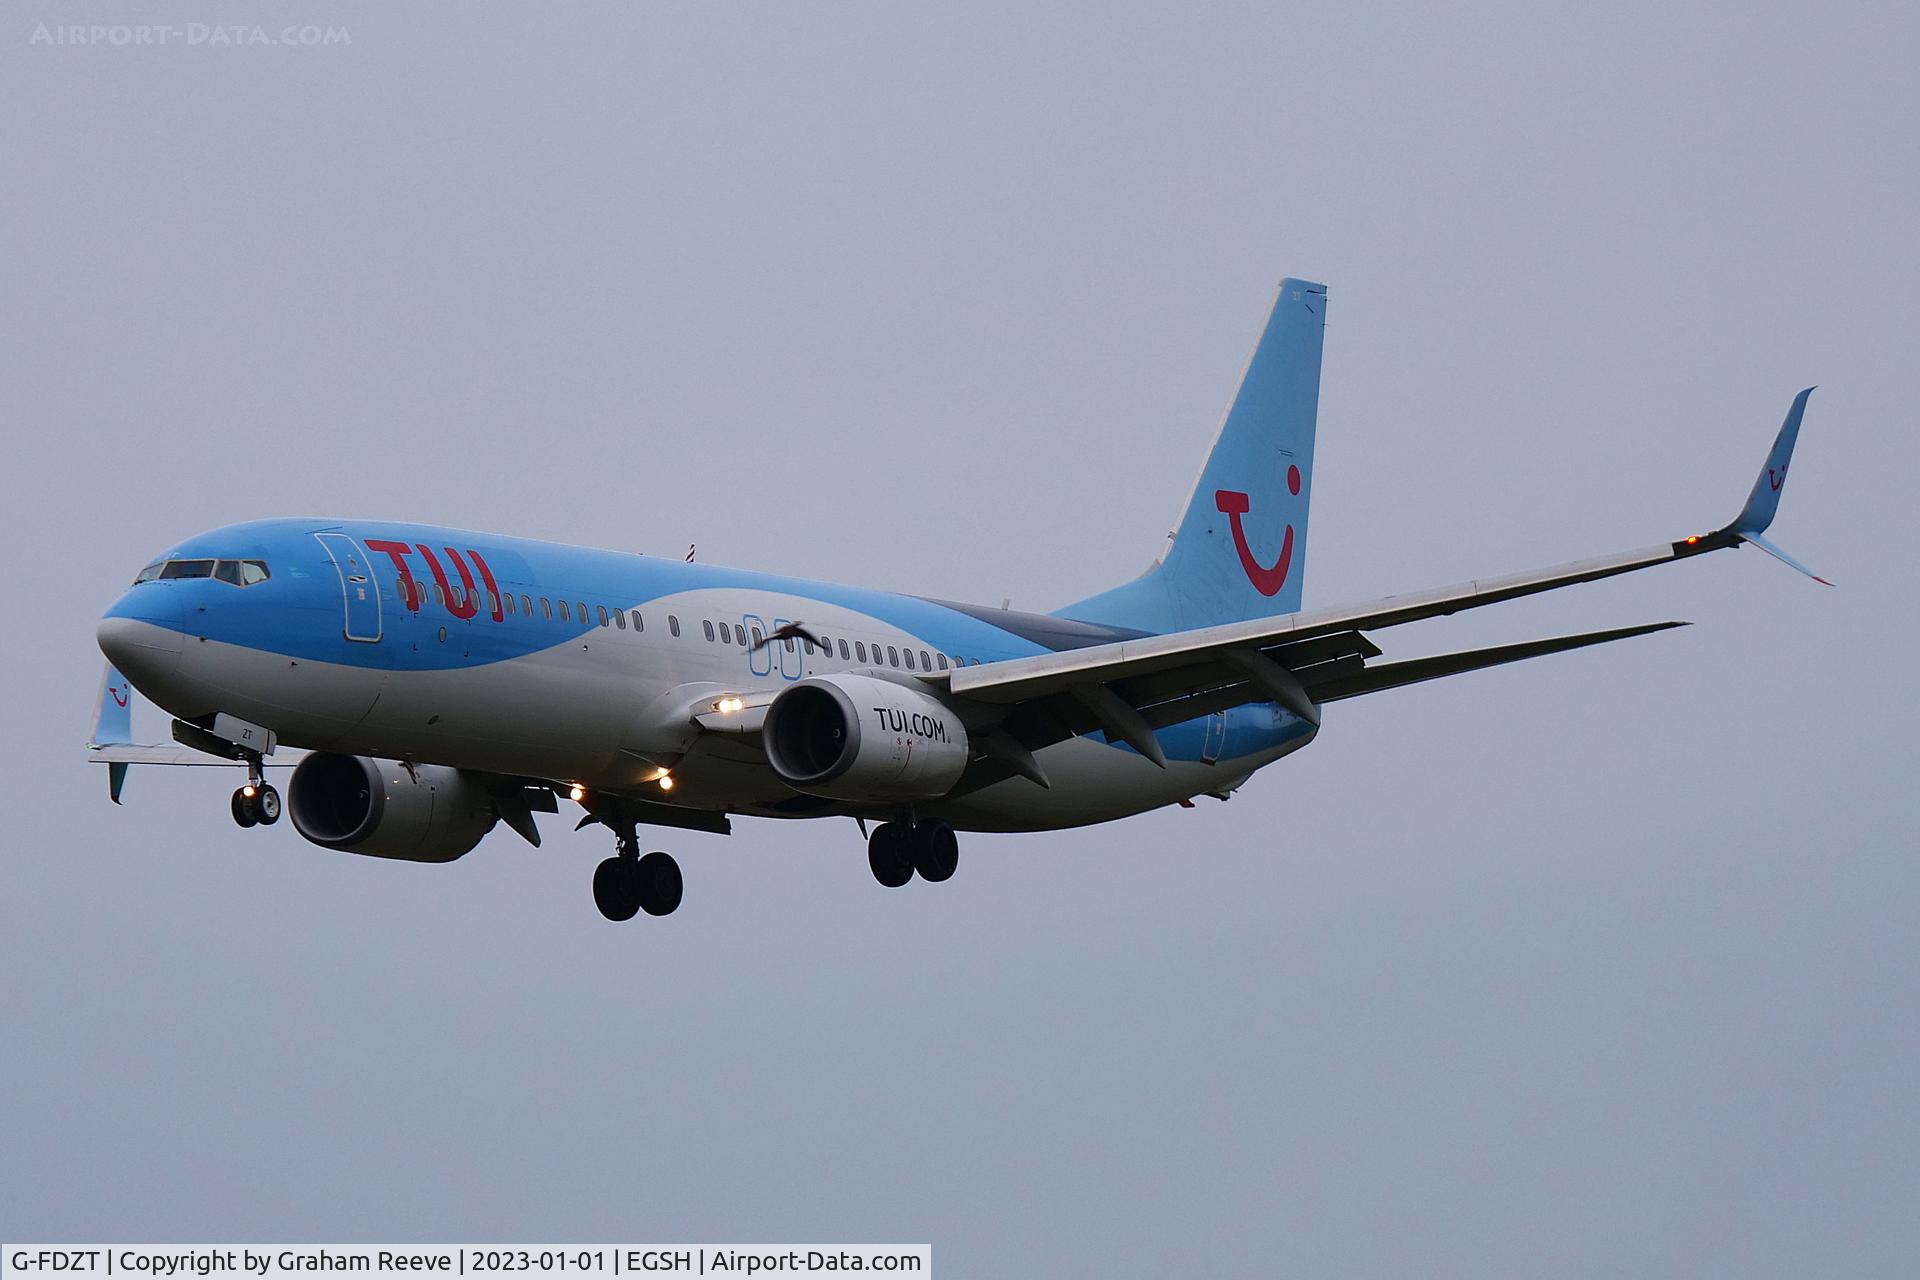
(909, 654)
(843, 650)
(620, 618)
(941, 658)
(788, 642)
(637, 625)
(757, 638)
(508, 600)
(706, 625)
(584, 616)
(186, 569)
(893, 657)
(860, 647)
(546, 608)
(926, 663)
(673, 625)
(604, 620)
(564, 615)
(526, 605)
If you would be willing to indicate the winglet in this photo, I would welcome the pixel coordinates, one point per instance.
(1765, 498)
(113, 724)
(1764, 501)
(1782, 557)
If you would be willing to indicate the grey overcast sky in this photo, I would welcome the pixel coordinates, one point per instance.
(1599, 965)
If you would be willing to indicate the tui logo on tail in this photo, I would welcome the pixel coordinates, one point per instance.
(1267, 580)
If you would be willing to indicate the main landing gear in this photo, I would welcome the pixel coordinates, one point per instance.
(628, 883)
(257, 803)
(896, 850)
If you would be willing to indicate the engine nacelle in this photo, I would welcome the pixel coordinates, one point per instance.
(853, 737)
(379, 807)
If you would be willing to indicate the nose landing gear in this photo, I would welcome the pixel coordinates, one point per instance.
(257, 803)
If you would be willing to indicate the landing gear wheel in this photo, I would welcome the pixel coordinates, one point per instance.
(616, 889)
(936, 851)
(243, 810)
(889, 854)
(658, 878)
(266, 805)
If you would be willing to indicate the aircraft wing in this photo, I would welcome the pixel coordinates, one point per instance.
(1300, 660)
(173, 753)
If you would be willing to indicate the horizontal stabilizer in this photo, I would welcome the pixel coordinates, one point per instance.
(1392, 675)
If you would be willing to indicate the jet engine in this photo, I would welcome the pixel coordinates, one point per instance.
(421, 813)
(852, 737)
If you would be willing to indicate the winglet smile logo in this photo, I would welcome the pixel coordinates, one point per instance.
(1776, 480)
(121, 693)
(1234, 504)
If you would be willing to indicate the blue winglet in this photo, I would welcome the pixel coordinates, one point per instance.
(1765, 498)
(1764, 501)
(113, 724)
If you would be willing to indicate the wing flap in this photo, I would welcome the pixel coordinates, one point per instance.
(1393, 675)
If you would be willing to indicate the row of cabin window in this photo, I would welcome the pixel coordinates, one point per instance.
(505, 604)
(729, 633)
(734, 633)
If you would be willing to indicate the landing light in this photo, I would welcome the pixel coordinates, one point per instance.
(577, 793)
(666, 782)
(1692, 538)
(247, 791)
(729, 705)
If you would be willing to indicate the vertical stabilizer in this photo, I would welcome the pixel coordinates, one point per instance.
(1240, 549)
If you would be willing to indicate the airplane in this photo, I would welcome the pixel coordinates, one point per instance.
(428, 684)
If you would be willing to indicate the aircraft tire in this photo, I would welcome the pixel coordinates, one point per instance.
(616, 889)
(658, 884)
(242, 807)
(889, 855)
(266, 806)
(936, 851)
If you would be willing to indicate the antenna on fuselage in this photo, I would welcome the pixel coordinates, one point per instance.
(689, 555)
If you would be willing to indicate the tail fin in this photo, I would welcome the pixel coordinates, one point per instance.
(1240, 550)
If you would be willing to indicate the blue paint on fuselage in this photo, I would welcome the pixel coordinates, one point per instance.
(298, 612)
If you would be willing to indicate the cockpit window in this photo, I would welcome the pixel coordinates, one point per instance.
(239, 573)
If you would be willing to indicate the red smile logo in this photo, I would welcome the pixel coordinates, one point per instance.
(120, 694)
(1266, 580)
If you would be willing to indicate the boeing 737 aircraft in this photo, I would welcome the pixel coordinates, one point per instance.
(430, 683)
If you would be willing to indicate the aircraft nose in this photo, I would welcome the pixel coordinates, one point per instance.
(141, 637)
